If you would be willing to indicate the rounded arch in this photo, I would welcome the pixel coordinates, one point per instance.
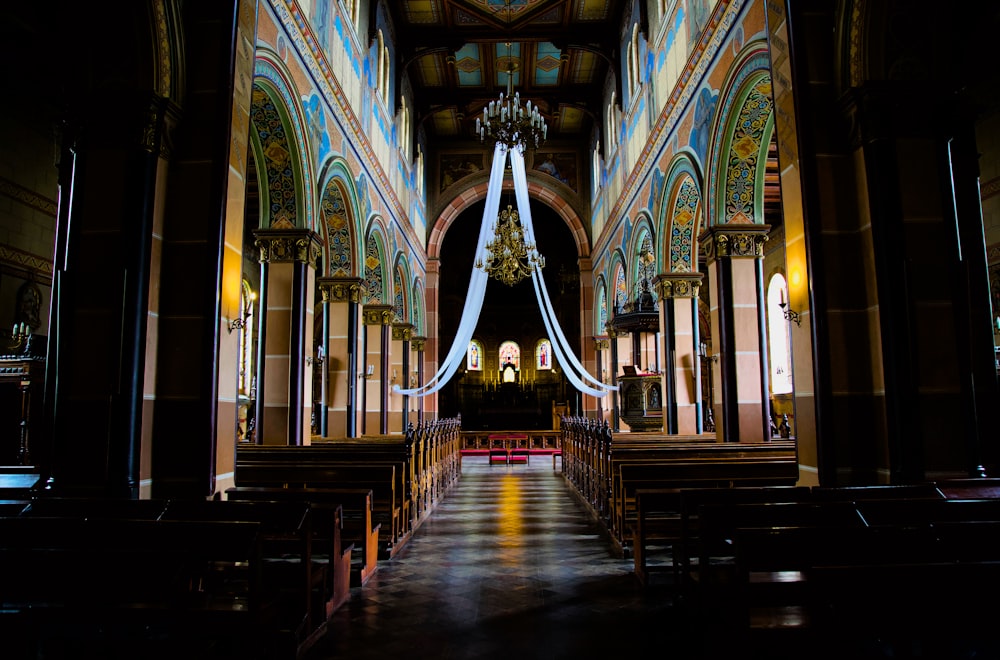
(338, 220)
(375, 275)
(642, 256)
(536, 192)
(288, 155)
(741, 133)
(417, 312)
(401, 288)
(601, 305)
(680, 216)
(618, 279)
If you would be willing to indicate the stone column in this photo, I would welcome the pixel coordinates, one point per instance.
(377, 347)
(342, 298)
(399, 370)
(678, 294)
(288, 270)
(417, 345)
(735, 272)
(601, 346)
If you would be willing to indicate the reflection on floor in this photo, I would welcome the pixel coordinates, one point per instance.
(510, 565)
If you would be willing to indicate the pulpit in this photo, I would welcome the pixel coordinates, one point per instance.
(642, 403)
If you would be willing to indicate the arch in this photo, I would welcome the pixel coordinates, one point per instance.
(618, 277)
(509, 354)
(680, 214)
(338, 219)
(543, 354)
(642, 265)
(417, 311)
(290, 151)
(779, 346)
(741, 132)
(474, 356)
(375, 267)
(401, 290)
(601, 306)
(536, 191)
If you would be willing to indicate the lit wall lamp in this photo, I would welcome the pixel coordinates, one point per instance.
(703, 352)
(368, 374)
(790, 314)
(241, 322)
(318, 360)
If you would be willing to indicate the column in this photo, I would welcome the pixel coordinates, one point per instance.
(735, 272)
(601, 346)
(399, 375)
(284, 382)
(417, 345)
(678, 294)
(613, 339)
(377, 347)
(342, 298)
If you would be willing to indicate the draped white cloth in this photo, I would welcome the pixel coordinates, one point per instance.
(477, 287)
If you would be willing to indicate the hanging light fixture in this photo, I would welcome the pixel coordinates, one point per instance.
(506, 121)
(509, 257)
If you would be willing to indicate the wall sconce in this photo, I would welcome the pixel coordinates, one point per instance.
(318, 360)
(368, 374)
(790, 315)
(703, 353)
(241, 322)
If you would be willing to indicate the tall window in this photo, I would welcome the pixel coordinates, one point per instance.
(543, 354)
(247, 300)
(777, 330)
(474, 356)
(510, 354)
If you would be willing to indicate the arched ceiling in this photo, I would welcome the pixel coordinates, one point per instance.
(457, 53)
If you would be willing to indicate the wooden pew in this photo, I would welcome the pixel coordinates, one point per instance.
(294, 469)
(294, 584)
(631, 476)
(343, 525)
(670, 516)
(146, 588)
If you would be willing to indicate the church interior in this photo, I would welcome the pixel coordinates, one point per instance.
(595, 248)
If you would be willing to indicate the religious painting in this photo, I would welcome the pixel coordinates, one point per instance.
(543, 355)
(457, 166)
(510, 354)
(474, 356)
(558, 165)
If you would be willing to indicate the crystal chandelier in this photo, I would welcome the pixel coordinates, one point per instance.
(508, 257)
(508, 122)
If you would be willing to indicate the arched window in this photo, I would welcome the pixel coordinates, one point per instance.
(777, 330)
(247, 301)
(474, 356)
(510, 354)
(543, 354)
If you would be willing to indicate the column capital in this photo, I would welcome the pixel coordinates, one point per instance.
(677, 285)
(379, 314)
(601, 343)
(341, 289)
(402, 331)
(418, 343)
(288, 245)
(734, 241)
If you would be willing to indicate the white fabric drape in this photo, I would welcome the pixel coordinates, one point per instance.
(479, 278)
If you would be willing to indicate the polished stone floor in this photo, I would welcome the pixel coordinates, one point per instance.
(509, 565)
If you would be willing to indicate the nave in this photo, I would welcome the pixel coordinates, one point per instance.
(509, 565)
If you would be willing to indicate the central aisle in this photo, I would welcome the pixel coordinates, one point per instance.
(509, 565)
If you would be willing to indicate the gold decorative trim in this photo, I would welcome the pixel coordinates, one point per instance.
(601, 343)
(678, 285)
(402, 331)
(29, 198)
(378, 314)
(734, 241)
(287, 246)
(341, 289)
(418, 343)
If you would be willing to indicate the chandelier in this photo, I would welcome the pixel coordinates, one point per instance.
(508, 257)
(508, 122)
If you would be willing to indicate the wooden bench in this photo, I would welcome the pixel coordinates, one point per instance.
(294, 470)
(294, 584)
(697, 473)
(143, 588)
(343, 526)
(668, 517)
